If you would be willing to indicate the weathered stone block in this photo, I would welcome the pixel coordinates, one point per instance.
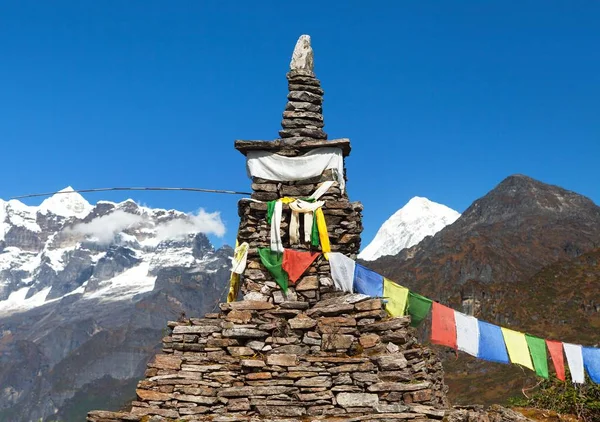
(309, 282)
(302, 322)
(282, 360)
(196, 329)
(365, 377)
(240, 351)
(398, 386)
(238, 405)
(240, 316)
(281, 410)
(357, 399)
(256, 376)
(331, 310)
(318, 381)
(166, 362)
(153, 395)
(368, 340)
(369, 305)
(392, 362)
(196, 399)
(337, 322)
(244, 333)
(252, 363)
(397, 323)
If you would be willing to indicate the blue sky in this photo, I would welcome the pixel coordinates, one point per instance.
(440, 99)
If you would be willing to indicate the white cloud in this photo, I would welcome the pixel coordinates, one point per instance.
(200, 222)
(103, 229)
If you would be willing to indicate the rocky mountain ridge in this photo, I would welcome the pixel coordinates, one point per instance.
(504, 261)
(84, 293)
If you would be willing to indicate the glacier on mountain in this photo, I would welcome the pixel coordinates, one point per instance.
(60, 248)
(418, 219)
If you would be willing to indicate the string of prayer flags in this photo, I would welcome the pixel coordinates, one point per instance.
(516, 344)
(448, 327)
(491, 343)
(273, 262)
(467, 333)
(537, 350)
(418, 308)
(396, 296)
(367, 282)
(295, 263)
(342, 271)
(591, 361)
(575, 361)
(443, 325)
(556, 354)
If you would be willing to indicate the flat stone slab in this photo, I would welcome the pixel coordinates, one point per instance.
(279, 144)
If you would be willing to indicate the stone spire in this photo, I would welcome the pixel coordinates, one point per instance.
(303, 115)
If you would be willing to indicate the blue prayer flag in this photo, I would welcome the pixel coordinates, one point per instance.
(491, 343)
(591, 362)
(367, 282)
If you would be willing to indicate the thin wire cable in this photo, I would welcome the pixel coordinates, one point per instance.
(230, 192)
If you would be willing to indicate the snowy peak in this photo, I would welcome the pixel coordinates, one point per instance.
(66, 203)
(66, 246)
(418, 219)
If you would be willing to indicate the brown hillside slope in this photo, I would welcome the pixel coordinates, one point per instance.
(524, 256)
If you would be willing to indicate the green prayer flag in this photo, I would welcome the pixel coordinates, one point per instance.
(418, 308)
(270, 210)
(537, 350)
(314, 234)
(272, 261)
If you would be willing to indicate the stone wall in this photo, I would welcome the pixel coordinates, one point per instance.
(343, 218)
(340, 359)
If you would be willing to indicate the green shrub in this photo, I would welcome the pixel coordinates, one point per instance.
(582, 400)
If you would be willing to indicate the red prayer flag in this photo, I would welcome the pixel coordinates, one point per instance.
(296, 262)
(556, 353)
(443, 326)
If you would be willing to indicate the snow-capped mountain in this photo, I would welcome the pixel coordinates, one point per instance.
(98, 281)
(419, 218)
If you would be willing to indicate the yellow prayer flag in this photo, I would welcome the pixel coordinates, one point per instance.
(516, 344)
(323, 235)
(234, 281)
(234, 287)
(287, 200)
(397, 297)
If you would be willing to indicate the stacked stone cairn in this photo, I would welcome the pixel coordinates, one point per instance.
(312, 354)
(303, 115)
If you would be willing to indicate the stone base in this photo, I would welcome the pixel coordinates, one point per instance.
(340, 359)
